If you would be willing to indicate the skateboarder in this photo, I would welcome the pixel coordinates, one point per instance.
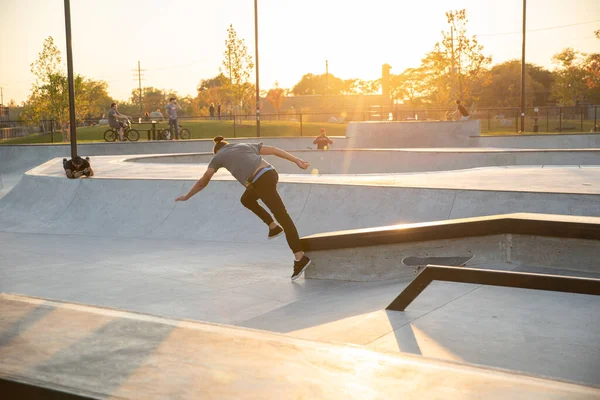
(244, 161)
(77, 167)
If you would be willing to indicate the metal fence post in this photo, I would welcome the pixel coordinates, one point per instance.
(52, 131)
(301, 131)
(581, 114)
(547, 120)
(595, 116)
(559, 119)
(517, 122)
(488, 131)
(233, 119)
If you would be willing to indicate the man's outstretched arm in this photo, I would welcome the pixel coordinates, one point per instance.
(201, 184)
(274, 151)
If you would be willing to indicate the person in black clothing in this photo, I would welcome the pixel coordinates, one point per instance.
(462, 111)
(322, 141)
(77, 167)
(219, 111)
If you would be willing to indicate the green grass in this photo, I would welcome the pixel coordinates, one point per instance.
(200, 130)
(209, 129)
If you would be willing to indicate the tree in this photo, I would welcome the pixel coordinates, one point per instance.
(504, 88)
(213, 90)
(407, 86)
(569, 86)
(152, 98)
(367, 87)
(276, 96)
(47, 98)
(591, 68)
(92, 98)
(311, 84)
(238, 65)
(456, 67)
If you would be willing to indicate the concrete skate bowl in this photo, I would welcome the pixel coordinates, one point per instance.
(370, 161)
(15, 160)
(145, 207)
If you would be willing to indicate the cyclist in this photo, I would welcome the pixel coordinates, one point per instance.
(113, 119)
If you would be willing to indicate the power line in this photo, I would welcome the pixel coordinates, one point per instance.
(539, 29)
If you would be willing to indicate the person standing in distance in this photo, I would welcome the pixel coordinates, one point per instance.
(244, 161)
(172, 113)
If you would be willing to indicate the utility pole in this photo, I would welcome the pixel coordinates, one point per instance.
(139, 74)
(1, 95)
(326, 84)
(72, 121)
(257, 81)
(523, 69)
(230, 85)
(452, 65)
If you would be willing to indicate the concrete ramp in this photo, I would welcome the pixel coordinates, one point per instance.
(137, 200)
(49, 347)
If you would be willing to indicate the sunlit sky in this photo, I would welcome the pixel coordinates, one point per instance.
(181, 42)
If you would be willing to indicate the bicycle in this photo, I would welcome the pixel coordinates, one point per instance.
(130, 134)
(166, 134)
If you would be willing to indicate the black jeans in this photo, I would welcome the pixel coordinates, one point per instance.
(265, 188)
(174, 127)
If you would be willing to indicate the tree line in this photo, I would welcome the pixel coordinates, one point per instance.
(455, 68)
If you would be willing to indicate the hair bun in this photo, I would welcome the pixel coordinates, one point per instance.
(218, 139)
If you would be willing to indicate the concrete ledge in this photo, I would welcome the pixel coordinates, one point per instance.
(370, 161)
(540, 141)
(70, 351)
(411, 134)
(564, 242)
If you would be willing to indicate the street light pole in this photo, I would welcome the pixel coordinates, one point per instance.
(257, 81)
(72, 122)
(523, 69)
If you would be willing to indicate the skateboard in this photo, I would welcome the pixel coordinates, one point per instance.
(420, 262)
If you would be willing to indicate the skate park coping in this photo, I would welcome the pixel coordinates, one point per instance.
(553, 241)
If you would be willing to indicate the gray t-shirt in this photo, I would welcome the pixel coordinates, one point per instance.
(240, 159)
(172, 111)
(112, 117)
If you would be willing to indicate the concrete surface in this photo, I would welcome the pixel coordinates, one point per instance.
(541, 141)
(137, 356)
(369, 161)
(117, 240)
(381, 262)
(15, 160)
(411, 134)
(247, 284)
(142, 205)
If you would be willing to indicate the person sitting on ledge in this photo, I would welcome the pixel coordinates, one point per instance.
(77, 167)
(322, 141)
(462, 112)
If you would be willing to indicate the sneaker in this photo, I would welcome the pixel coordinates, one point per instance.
(300, 266)
(273, 233)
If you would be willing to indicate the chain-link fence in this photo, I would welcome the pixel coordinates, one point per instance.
(493, 121)
(18, 129)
